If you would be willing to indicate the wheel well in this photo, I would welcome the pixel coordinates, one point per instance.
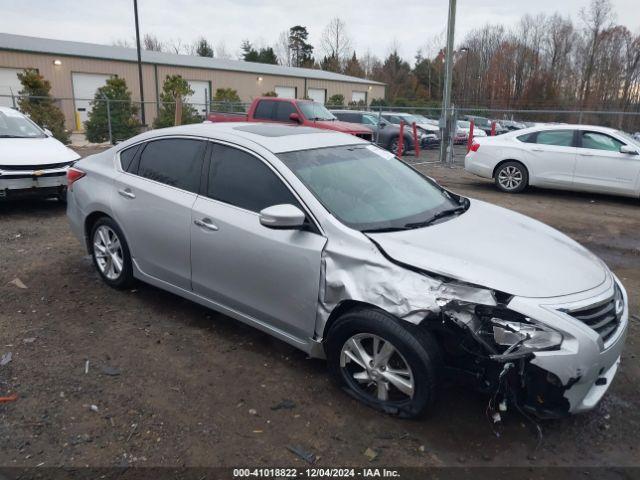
(493, 175)
(341, 309)
(91, 219)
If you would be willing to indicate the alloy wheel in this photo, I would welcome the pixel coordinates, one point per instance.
(107, 250)
(510, 177)
(373, 366)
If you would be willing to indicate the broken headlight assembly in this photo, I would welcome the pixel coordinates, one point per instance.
(514, 335)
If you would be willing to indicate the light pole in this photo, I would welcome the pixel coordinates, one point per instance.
(447, 114)
(135, 11)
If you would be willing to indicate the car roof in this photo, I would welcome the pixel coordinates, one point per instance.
(561, 126)
(275, 137)
(10, 110)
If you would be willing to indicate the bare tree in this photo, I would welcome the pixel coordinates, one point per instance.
(335, 41)
(178, 47)
(122, 42)
(283, 49)
(151, 42)
(221, 50)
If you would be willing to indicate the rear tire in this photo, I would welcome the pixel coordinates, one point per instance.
(511, 177)
(110, 253)
(393, 147)
(401, 378)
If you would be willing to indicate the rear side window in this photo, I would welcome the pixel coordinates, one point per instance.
(126, 157)
(529, 137)
(175, 162)
(283, 110)
(240, 179)
(599, 141)
(558, 138)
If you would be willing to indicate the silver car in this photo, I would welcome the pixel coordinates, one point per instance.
(338, 248)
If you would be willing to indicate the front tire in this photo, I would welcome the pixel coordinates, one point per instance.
(384, 364)
(110, 253)
(511, 177)
(394, 145)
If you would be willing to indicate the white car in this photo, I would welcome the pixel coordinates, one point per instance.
(463, 128)
(31, 160)
(570, 157)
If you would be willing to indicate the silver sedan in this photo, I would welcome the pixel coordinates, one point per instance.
(338, 248)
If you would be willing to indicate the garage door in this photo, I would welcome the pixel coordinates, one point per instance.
(359, 97)
(84, 89)
(9, 85)
(201, 95)
(317, 95)
(286, 92)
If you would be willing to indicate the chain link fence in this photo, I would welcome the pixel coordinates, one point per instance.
(111, 121)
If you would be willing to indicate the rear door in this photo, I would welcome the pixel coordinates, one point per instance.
(153, 205)
(551, 157)
(602, 168)
(270, 275)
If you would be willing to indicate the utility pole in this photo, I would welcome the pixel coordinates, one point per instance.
(446, 117)
(135, 10)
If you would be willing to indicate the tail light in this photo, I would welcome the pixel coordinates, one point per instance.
(475, 146)
(73, 175)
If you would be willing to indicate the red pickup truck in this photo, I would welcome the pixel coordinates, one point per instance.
(288, 110)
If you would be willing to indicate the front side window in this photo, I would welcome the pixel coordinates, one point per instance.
(599, 141)
(265, 110)
(557, 138)
(283, 111)
(367, 188)
(370, 120)
(176, 162)
(242, 180)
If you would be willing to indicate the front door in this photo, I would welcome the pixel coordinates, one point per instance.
(153, 203)
(602, 168)
(270, 275)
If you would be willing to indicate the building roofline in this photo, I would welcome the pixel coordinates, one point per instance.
(22, 43)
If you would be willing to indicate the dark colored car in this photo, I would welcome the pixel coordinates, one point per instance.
(385, 134)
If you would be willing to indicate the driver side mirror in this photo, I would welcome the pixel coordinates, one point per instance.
(294, 117)
(628, 150)
(47, 132)
(283, 217)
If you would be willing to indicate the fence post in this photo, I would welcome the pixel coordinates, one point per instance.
(109, 118)
(493, 129)
(416, 144)
(378, 129)
(470, 138)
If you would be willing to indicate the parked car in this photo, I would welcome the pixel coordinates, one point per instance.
(462, 132)
(408, 119)
(31, 160)
(386, 133)
(336, 247)
(485, 124)
(568, 157)
(511, 125)
(292, 111)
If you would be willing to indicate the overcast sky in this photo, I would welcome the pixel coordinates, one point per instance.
(372, 24)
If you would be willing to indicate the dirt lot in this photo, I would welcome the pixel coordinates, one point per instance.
(175, 384)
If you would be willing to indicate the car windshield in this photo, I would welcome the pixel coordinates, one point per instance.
(371, 119)
(628, 138)
(368, 189)
(315, 111)
(464, 124)
(15, 125)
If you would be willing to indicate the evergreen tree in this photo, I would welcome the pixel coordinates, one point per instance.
(264, 55)
(330, 64)
(37, 103)
(336, 100)
(301, 50)
(124, 123)
(353, 67)
(228, 99)
(174, 91)
(203, 48)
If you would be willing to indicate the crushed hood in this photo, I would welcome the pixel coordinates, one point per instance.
(339, 126)
(34, 151)
(499, 249)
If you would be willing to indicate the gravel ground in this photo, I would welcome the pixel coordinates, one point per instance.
(110, 378)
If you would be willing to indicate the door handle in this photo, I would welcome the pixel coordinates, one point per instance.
(127, 193)
(586, 154)
(537, 150)
(206, 223)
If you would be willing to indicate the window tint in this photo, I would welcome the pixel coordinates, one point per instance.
(599, 141)
(529, 137)
(264, 110)
(127, 156)
(175, 162)
(351, 117)
(283, 110)
(243, 180)
(369, 120)
(559, 138)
